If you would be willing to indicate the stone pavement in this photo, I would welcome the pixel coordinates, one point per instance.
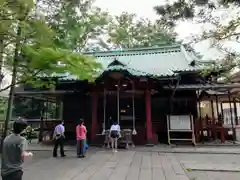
(104, 165)
(192, 150)
(158, 148)
(132, 165)
(209, 162)
(209, 175)
(210, 166)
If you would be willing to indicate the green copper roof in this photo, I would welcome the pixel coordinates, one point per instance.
(131, 71)
(162, 61)
(158, 62)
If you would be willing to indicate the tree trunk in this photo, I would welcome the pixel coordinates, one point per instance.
(13, 82)
(1, 58)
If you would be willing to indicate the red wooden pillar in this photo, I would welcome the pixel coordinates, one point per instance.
(148, 117)
(213, 122)
(94, 115)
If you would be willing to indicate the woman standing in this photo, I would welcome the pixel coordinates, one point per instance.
(81, 134)
(114, 135)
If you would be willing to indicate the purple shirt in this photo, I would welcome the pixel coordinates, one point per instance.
(59, 129)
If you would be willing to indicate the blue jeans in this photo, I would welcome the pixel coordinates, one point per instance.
(81, 147)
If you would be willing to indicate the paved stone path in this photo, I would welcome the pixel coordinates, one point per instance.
(210, 166)
(104, 165)
(132, 165)
(210, 162)
(158, 148)
(210, 175)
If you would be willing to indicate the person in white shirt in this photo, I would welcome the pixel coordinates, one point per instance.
(59, 137)
(114, 135)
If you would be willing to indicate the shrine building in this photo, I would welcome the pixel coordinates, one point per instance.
(151, 91)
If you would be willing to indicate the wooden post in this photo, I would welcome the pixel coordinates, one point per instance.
(213, 122)
(235, 111)
(60, 115)
(148, 117)
(200, 123)
(219, 122)
(94, 115)
(217, 106)
(41, 130)
(221, 105)
(230, 105)
(104, 111)
(56, 110)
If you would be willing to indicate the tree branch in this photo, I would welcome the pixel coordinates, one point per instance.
(22, 81)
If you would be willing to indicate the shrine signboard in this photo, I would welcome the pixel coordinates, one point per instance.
(180, 122)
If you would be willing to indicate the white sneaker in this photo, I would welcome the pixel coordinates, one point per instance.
(116, 151)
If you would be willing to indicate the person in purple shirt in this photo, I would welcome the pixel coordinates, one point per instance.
(58, 137)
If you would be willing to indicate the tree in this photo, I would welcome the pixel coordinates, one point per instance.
(222, 28)
(33, 51)
(128, 31)
(38, 53)
(76, 23)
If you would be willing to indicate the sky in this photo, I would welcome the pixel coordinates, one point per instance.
(142, 8)
(145, 9)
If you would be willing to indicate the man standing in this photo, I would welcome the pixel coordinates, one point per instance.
(81, 132)
(59, 137)
(14, 152)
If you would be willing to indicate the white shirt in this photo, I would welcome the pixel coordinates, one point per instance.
(115, 128)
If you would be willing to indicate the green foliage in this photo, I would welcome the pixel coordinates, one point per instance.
(27, 107)
(188, 9)
(53, 35)
(31, 108)
(128, 31)
(29, 133)
(3, 108)
(76, 23)
(45, 61)
(205, 11)
(39, 52)
(222, 20)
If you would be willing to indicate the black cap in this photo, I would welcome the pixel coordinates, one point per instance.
(19, 125)
(81, 120)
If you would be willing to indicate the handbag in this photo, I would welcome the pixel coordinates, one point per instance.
(85, 147)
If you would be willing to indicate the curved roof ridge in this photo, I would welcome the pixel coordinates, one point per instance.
(135, 71)
(186, 54)
(162, 49)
